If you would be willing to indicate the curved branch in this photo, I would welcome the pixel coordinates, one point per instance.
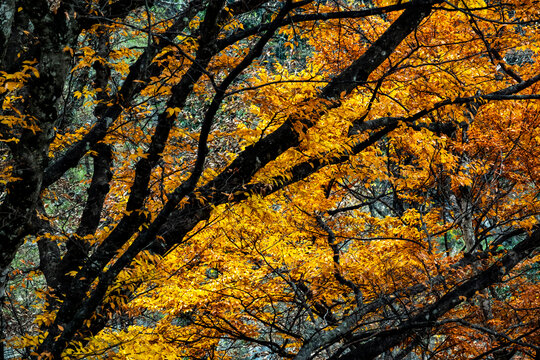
(369, 346)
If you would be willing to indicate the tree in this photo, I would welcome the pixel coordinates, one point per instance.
(301, 179)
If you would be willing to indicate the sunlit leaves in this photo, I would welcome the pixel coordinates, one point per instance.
(407, 169)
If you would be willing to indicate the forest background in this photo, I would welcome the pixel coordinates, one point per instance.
(253, 179)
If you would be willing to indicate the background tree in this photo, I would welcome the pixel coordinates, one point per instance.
(304, 179)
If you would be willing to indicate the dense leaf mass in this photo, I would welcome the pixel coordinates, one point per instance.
(283, 179)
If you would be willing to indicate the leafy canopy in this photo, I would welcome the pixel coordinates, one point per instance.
(270, 179)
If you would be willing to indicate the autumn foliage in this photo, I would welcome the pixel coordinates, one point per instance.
(252, 179)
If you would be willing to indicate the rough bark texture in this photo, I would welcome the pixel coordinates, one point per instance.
(51, 33)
